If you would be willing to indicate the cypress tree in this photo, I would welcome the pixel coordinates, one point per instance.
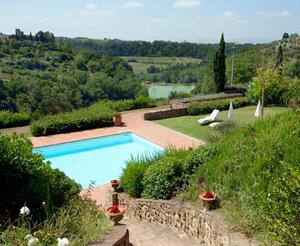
(219, 66)
(279, 59)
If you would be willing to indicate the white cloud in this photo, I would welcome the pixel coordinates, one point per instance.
(285, 13)
(186, 3)
(155, 20)
(90, 7)
(229, 15)
(265, 14)
(91, 10)
(133, 4)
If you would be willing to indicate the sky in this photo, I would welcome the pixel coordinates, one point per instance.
(176, 20)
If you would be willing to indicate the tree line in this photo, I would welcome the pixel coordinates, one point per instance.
(116, 47)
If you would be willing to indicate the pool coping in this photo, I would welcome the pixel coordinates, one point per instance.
(104, 136)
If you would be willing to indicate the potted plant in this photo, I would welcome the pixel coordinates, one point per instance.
(114, 184)
(209, 199)
(117, 119)
(115, 214)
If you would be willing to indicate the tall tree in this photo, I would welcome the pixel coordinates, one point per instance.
(279, 59)
(219, 66)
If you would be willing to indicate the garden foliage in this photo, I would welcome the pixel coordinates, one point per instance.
(80, 221)
(26, 178)
(133, 174)
(197, 108)
(256, 174)
(95, 116)
(9, 119)
(131, 104)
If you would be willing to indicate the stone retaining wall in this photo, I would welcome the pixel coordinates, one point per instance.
(199, 223)
(165, 113)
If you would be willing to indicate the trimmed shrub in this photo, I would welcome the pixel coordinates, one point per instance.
(197, 108)
(95, 116)
(25, 177)
(133, 174)
(164, 177)
(131, 104)
(9, 119)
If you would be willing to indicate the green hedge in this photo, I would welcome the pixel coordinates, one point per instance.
(131, 104)
(197, 108)
(9, 119)
(25, 177)
(97, 115)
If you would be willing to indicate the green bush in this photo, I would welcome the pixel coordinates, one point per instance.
(80, 221)
(272, 83)
(197, 108)
(9, 119)
(95, 116)
(292, 95)
(198, 157)
(256, 174)
(164, 177)
(25, 177)
(130, 104)
(175, 94)
(133, 173)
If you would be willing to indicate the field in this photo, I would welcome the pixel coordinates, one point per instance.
(189, 125)
(140, 64)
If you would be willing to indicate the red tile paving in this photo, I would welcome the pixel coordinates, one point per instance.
(133, 122)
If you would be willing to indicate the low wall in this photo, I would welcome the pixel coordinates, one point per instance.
(199, 223)
(182, 109)
(118, 236)
(165, 113)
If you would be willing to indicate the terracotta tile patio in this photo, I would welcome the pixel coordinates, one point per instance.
(133, 122)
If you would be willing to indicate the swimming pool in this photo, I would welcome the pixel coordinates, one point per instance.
(98, 159)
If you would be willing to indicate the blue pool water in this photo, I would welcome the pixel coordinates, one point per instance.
(99, 159)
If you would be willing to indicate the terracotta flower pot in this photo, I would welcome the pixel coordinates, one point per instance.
(118, 120)
(209, 199)
(115, 216)
(114, 184)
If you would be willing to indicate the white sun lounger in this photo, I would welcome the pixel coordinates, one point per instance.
(210, 119)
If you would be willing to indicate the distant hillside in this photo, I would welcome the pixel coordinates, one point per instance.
(115, 47)
(44, 75)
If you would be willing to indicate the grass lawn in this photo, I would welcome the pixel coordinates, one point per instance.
(189, 125)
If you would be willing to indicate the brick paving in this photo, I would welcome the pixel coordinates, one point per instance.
(142, 233)
(133, 122)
